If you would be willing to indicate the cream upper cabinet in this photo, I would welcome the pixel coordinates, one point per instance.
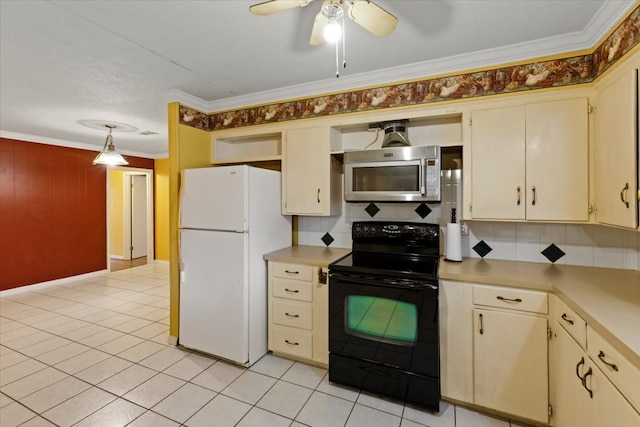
(616, 150)
(531, 162)
(498, 163)
(311, 179)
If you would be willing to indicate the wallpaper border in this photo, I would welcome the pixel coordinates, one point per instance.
(571, 70)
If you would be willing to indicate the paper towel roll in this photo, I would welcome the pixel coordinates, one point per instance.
(453, 249)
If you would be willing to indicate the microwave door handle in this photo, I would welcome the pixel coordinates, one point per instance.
(422, 178)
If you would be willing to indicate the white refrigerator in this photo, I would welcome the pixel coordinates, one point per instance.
(229, 218)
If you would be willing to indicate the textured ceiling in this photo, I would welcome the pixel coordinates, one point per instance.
(68, 66)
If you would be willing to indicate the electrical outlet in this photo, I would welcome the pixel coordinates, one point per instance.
(464, 229)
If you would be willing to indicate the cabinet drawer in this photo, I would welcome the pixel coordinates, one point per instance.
(296, 315)
(514, 299)
(291, 341)
(292, 289)
(293, 271)
(571, 322)
(615, 366)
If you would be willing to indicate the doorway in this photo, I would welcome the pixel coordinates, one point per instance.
(129, 218)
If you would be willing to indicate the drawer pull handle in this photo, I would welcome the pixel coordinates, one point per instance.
(518, 202)
(584, 382)
(509, 299)
(481, 324)
(291, 291)
(291, 343)
(601, 356)
(291, 272)
(533, 190)
(580, 363)
(292, 315)
(623, 194)
(566, 318)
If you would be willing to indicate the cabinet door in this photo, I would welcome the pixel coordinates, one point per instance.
(617, 152)
(510, 363)
(569, 408)
(498, 163)
(456, 340)
(608, 408)
(306, 172)
(557, 166)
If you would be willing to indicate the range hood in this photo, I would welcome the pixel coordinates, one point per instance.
(395, 134)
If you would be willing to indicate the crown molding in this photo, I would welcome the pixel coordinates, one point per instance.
(72, 144)
(603, 22)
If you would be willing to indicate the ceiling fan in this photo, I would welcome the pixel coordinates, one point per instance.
(365, 13)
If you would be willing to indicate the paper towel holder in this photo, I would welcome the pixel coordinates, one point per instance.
(453, 248)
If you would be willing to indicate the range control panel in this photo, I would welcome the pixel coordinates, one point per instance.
(377, 230)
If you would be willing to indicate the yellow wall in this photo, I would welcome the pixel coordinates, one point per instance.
(161, 182)
(116, 213)
(188, 148)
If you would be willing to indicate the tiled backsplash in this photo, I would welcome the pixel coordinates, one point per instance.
(582, 244)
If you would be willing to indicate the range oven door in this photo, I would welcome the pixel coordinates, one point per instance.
(383, 337)
(384, 321)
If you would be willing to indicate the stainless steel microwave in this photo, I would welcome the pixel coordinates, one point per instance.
(396, 174)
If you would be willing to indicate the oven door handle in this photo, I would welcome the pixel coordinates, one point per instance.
(381, 282)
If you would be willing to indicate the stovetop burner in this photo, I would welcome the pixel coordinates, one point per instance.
(393, 249)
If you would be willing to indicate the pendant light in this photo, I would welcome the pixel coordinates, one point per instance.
(109, 155)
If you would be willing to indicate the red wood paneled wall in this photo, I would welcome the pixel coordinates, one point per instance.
(52, 212)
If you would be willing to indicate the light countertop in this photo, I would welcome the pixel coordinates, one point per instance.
(319, 256)
(607, 299)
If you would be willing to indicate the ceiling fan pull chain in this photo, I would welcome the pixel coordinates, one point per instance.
(337, 63)
(344, 45)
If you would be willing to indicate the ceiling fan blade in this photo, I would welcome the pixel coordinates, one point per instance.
(274, 6)
(317, 38)
(372, 17)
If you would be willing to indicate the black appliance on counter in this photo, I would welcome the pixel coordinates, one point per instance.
(383, 312)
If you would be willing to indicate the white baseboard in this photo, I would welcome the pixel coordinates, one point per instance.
(56, 282)
(121, 257)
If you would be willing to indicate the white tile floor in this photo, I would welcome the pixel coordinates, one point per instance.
(95, 353)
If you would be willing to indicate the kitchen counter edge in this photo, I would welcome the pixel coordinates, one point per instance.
(320, 256)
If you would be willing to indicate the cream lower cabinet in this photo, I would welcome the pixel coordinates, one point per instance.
(531, 162)
(494, 348)
(311, 177)
(584, 395)
(298, 310)
(616, 148)
(510, 351)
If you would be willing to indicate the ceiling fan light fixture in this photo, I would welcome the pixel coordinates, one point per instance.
(109, 155)
(332, 32)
